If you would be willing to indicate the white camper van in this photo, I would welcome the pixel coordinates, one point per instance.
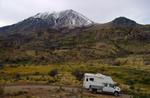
(100, 83)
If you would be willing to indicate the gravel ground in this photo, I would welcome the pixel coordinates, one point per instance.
(47, 91)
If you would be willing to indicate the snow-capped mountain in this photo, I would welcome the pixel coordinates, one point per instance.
(42, 21)
(67, 18)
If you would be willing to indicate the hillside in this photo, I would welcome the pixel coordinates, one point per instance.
(104, 43)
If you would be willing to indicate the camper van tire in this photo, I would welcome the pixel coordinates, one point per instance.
(116, 93)
(92, 89)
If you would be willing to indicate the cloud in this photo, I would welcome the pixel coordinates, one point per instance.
(101, 11)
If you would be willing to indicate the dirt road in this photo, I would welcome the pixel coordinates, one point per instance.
(49, 91)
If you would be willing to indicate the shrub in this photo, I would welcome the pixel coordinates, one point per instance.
(145, 80)
(17, 76)
(1, 90)
(117, 63)
(78, 74)
(51, 81)
(37, 73)
(53, 73)
(20, 93)
(27, 78)
(14, 66)
(1, 66)
(130, 81)
(132, 87)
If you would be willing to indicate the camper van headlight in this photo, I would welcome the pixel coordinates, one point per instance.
(118, 89)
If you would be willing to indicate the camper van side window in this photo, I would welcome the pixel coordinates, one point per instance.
(105, 84)
(111, 85)
(91, 79)
(86, 79)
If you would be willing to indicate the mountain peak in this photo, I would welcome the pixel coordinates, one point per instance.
(68, 18)
(123, 22)
(69, 11)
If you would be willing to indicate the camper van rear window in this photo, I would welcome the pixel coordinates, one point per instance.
(91, 79)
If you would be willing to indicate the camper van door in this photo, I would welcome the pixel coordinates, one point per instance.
(108, 88)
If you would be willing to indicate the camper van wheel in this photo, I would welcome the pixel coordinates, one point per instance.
(90, 88)
(116, 93)
(94, 90)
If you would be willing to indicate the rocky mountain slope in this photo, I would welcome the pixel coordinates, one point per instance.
(70, 37)
(41, 21)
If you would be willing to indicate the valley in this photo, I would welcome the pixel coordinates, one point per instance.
(58, 48)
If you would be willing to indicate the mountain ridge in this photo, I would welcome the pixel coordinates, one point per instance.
(35, 41)
(65, 19)
(68, 19)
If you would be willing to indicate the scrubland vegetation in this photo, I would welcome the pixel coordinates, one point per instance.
(133, 80)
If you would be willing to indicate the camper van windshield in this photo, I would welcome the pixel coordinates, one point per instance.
(112, 85)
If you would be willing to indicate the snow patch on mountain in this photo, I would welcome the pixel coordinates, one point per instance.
(67, 18)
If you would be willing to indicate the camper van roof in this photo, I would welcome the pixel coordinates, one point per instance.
(97, 75)
(107, 78)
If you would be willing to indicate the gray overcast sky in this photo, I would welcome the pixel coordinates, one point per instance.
(101, 11)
